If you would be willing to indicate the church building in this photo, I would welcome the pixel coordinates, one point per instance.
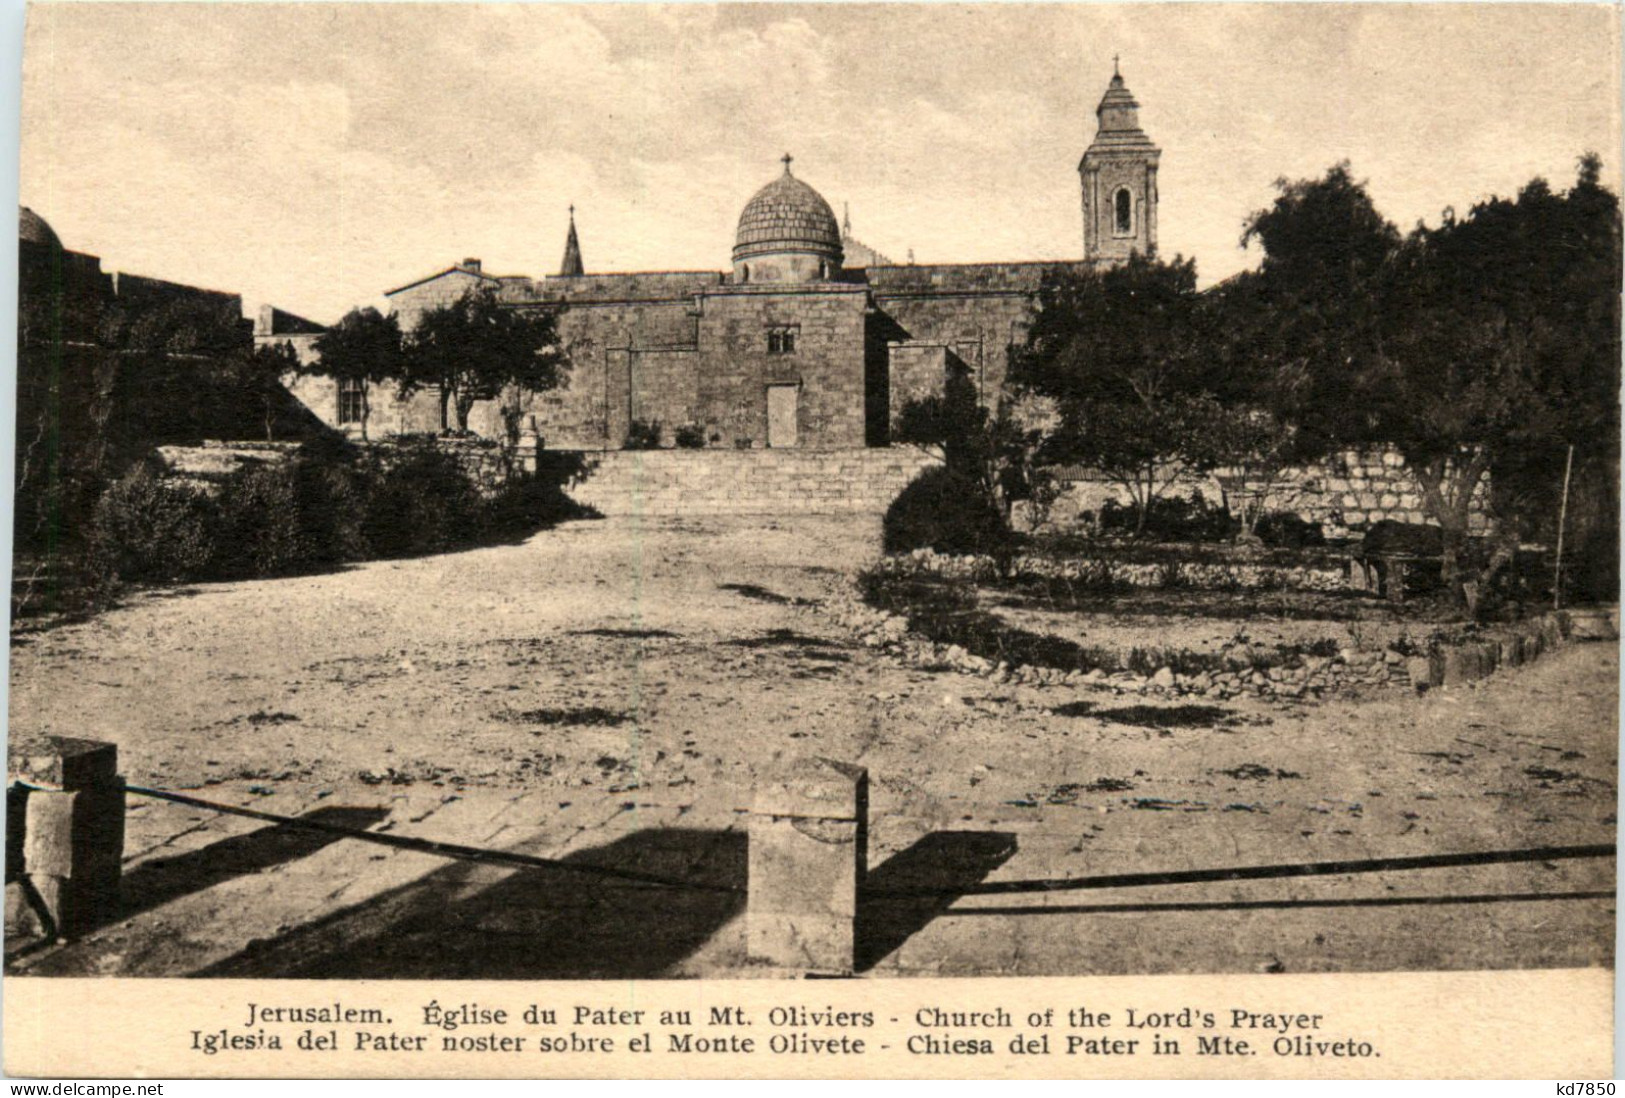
(808, 340)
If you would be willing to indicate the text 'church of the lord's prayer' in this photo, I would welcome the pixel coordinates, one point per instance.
(812, 340)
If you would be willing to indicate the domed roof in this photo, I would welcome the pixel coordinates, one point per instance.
(787, 216)
(35, 229)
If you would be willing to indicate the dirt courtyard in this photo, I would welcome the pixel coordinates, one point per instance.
(611, 691)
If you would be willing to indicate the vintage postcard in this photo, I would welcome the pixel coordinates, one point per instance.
(538, 529)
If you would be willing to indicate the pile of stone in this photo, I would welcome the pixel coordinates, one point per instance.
(1240, 669)
(1473, 660)
(1102, 571)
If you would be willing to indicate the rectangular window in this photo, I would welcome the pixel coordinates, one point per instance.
(352, 400)
(781, 340)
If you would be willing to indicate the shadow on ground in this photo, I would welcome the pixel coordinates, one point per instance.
(470, 921)
(1150, 716)
(942, 865)
(160, 880)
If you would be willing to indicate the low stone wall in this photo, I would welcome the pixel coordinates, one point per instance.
(1511, 646)
(1343, 494)
(748, 482)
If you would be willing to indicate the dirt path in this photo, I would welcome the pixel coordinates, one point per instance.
(614, 689)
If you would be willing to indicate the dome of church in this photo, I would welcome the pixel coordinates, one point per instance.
(787, 216)
(36, 230)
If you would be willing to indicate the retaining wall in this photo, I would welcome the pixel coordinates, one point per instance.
(1343, 494)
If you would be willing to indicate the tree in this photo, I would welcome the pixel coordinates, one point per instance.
(1124, 355)
(476, 348)
(1501, 349)
(992, 452)
(1251, 449)
(1480, 348)
(1300, 335)
(257, 375)
(364, 348)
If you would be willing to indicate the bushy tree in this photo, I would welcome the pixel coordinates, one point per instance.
(989, 452)
(1125, 355)
(256, 373)
(365, 347)
(476, 347)
(1483, 347)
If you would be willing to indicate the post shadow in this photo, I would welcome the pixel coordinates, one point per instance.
(939, 866)
(159, 880)
(466, 921)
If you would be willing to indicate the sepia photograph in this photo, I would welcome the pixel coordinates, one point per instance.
(766, 491)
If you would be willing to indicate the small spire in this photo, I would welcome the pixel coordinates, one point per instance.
(846, 219)
(1116, 70)
(786, 158)
(572, 266)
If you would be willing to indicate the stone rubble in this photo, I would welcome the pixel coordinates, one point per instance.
(1248, 669)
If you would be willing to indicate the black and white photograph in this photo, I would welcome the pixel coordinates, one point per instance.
(768, 491)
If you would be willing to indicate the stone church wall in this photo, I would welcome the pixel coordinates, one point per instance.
(979, 311)
(828, 364)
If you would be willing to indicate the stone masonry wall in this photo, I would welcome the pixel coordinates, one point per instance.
(1343, 494)
(748, 482)
(827, 364)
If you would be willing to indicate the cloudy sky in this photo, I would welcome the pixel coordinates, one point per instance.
(316, 155)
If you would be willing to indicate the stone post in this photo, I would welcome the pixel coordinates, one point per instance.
(809, 837)
(65, 839)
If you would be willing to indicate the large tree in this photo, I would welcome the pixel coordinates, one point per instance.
(476, 347)
(1483, 347)
(364, 348)
(1125, 356)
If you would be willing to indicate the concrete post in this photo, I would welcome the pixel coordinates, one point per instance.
(1426, 672)
(65, 841)
(809, 838)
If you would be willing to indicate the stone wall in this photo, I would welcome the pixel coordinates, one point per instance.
(1343, 494)
(690, 347)
(735, 482)
(976, 310)
(916, 371)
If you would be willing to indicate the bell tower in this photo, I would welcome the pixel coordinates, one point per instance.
(1119, 175)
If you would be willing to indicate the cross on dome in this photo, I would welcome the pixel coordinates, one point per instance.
(786, 158)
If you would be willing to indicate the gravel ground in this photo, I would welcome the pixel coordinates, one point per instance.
(644, 674)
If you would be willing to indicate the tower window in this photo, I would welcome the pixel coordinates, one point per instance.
(781, 339)
(352, 400)
(1123, 208)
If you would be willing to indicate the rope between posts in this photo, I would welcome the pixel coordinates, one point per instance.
(461, 852)
(1257, 872)
(457, 851)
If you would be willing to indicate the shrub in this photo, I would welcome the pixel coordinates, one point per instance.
(527, 501)
(258, 531)
(690, 436)
(643, 434)
(146, 530)
(330, 504)
(421, 501)
(948, 512)
(1171, 518)
(1286, 530)
(332, 489)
